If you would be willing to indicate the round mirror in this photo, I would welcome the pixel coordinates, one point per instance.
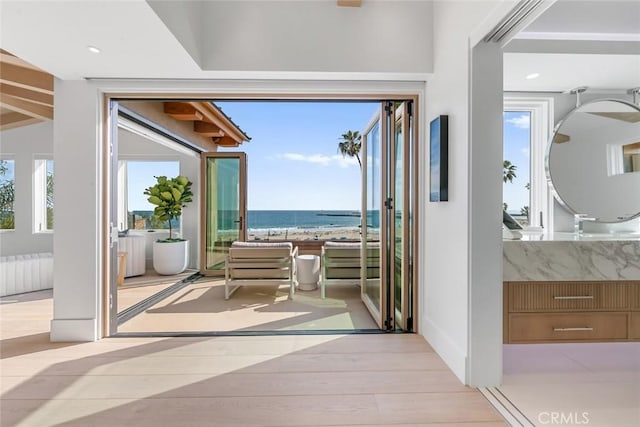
(593, 160)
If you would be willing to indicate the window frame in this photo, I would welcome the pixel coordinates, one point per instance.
(541, 129)
(12, 158)
(123, 183)
(39, 199)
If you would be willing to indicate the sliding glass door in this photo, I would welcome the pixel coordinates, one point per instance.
(224, 207)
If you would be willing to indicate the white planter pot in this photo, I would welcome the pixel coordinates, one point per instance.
(170, 258)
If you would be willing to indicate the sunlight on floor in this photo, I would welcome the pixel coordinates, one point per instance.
(201, 307)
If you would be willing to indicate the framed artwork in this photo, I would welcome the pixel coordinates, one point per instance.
(439, 159)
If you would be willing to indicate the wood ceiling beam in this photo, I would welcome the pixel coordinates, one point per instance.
(208, 129)
(625, 116)
(212, 116)
(7, 58)
(350, 3)
(182, 111)
(561, 138)
(27, 78)
(14, 120)
(30, 95)
(226, 142)
(39, 111)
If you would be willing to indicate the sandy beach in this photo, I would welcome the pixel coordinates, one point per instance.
(305, 234)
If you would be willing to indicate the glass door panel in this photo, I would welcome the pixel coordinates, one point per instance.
(224, 207)
(372, 292)
(401, 210)
(398, 250)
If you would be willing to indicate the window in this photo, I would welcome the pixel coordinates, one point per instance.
(7, 194)
(528, 195)
(43, 195)
(517, 180)
(134, 212)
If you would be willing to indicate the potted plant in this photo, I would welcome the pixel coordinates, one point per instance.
(170, 195)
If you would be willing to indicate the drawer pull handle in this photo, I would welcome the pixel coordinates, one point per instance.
(586, 328)
(575, 297)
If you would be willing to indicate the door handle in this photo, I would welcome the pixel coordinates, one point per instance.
(113, 235)
(239, 221)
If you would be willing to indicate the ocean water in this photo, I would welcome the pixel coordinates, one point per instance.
(285, 219)
(281, 220)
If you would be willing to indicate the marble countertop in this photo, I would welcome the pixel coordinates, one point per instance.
(566, 257)
(529, 236)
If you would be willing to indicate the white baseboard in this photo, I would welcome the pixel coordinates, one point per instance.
(453, 356)
(74, 330)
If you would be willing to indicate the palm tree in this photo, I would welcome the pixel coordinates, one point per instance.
(508, 171)
(350, 144)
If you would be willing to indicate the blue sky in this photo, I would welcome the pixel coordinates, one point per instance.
(9, 174)
(293, 159)
(140, 175)
(516, 150)
(293, 162)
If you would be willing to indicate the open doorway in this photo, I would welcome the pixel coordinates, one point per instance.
(302, 189)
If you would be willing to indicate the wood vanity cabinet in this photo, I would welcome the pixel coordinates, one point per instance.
(571, 311)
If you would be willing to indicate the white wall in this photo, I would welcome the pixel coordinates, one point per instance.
(23, 144)
(78, 242)
(448, 227)
(132, 146)
(185, 22)
(315, 36)
(484, 360)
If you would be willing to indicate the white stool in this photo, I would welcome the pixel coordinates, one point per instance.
(308, 272)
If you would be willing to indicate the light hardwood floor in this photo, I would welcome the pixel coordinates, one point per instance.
(303, 380)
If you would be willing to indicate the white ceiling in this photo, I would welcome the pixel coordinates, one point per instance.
(577, 43)
(589, 17)
(137, 43)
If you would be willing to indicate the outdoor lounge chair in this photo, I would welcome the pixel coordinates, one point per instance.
(257, 263)
(341, 264)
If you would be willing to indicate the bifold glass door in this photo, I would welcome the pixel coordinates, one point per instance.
(373, 218)
(224, 207)
(389, 203)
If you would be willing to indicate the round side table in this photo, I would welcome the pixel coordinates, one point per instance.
(308, 272)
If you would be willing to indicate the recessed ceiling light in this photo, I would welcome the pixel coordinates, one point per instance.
(93, 49)
(532, 76)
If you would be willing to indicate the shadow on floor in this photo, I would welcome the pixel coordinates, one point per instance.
(389, 379)
(28, 344)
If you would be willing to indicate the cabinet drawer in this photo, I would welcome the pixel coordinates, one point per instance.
(567, 327)
(568, 296)
(634, 333)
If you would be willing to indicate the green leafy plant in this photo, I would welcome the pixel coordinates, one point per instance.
(169, 195)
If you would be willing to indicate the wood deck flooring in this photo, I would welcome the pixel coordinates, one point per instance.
(294, 380)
